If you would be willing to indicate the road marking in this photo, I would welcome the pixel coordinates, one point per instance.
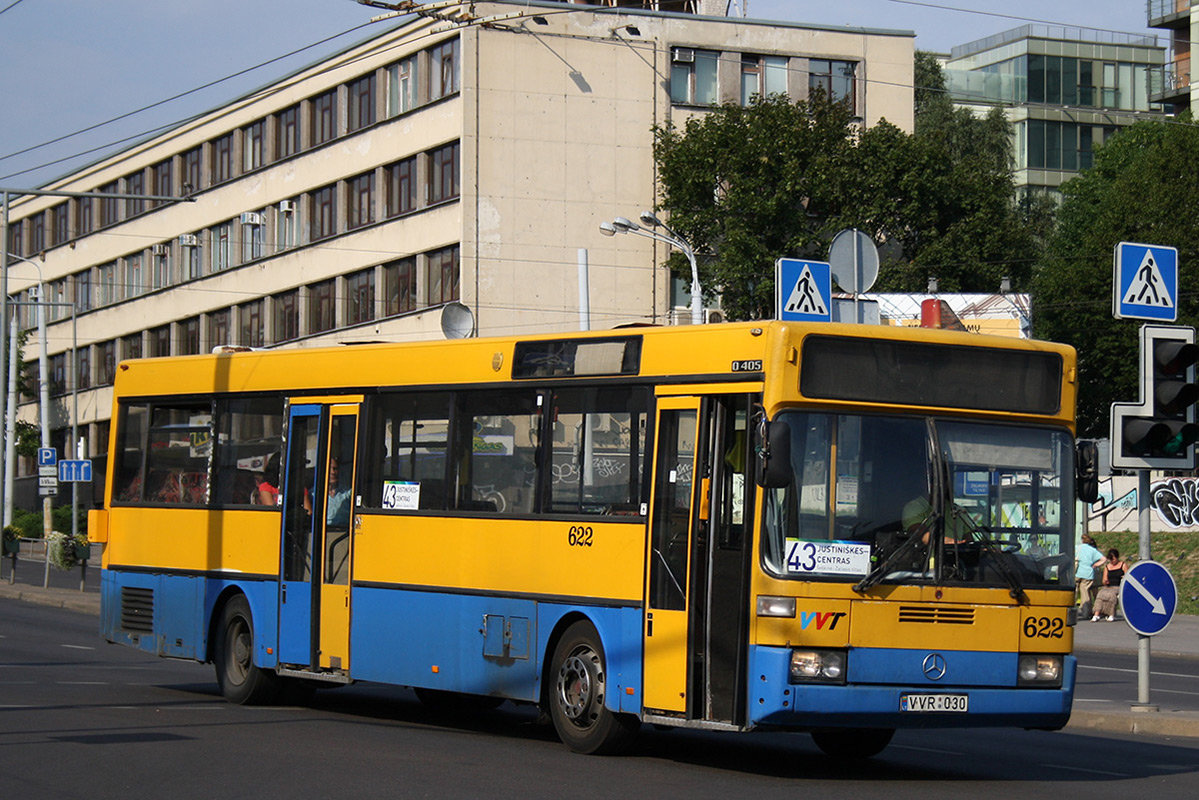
(82, 683)
(1134, 672)
(928, 750)
(1089, 771)
(1175, 691)
(77, 647)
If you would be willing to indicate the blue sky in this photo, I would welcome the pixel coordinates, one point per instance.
(69, 64)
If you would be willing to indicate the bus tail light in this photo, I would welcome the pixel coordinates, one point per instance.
(818, 666)
(1033, 670)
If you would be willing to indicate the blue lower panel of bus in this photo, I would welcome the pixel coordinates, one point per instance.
(482, 645)
(879, 679)
(168, 615)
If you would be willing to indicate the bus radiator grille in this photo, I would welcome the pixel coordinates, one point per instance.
(936, 614)
(137, 610)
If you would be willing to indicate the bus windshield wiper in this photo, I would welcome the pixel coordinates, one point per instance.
(982, 534)
(879, 572)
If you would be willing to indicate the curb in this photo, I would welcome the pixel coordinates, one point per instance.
(1159, 723)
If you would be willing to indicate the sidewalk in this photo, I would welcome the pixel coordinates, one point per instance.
(1180, 639)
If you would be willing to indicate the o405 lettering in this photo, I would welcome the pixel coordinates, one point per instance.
(1044, 627)
(579, 536)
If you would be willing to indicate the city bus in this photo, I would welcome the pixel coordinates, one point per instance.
(839, 529)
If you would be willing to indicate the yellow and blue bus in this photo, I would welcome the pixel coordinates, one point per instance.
(838, 529)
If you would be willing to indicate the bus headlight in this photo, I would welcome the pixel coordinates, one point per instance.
(770, 606)
(1039, 671)
(818, 666)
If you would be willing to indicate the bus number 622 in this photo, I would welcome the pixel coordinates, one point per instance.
(579, 536)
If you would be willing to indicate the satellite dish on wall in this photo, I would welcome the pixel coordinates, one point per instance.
(457, 321)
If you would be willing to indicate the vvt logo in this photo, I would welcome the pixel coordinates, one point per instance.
(821, 618)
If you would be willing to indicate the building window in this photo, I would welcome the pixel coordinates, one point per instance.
(222, 159)
(443, 173)
(222, 247)
(442, 275)
(83, 216)
(83, 368)
(360, 296)
(218, 328)
(286, 309)
(401, 187)
(193, 255)
(161, 277)
(135, 278)
(323, 213)
(108, 283)
(58, 301)
(287, 225)
(693, 76)
(399, 286)
(321, 311)
(37, 233)
(834, 78)
(443, 70)
(193, 163)
(253, 145)
(164, 185)
(401, 86)
(60, 217)
(253, 235)
(16, 238)
(362, 103)
(361, 200)
(287, 132)
(83, 290)
(58, 374)
(251, 324)
(160, 341)
(131, 346)
(135, 184)
(762, 76)
(324, 117)
(110, 207)
(106, 362)
(189, 337)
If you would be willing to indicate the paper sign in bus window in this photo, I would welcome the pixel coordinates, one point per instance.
(828, 558)
(402, 495)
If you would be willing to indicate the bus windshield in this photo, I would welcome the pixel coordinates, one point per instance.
(878, 499)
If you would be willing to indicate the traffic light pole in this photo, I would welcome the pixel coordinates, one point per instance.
(1142, 703)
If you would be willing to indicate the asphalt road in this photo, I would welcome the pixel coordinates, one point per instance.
(79, 718)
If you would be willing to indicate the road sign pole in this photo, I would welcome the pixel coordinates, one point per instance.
(1144, 554)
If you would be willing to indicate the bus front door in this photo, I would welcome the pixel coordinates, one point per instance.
(696, 614)
(318, 492)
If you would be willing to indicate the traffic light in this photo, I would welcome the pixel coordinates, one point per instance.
(1159, 432)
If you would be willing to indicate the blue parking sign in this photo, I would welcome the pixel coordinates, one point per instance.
(47, 456)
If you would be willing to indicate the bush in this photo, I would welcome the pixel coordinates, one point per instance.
(64, 549)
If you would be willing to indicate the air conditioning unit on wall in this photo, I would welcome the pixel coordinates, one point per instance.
(189, 240)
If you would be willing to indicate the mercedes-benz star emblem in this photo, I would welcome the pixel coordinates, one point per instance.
(934, 666)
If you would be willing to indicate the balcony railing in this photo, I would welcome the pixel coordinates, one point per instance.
(1069, 34)
(1160, 9)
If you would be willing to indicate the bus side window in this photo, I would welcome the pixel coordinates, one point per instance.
(249, 434)
(131, 445)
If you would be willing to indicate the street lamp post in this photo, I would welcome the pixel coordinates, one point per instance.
(622, 225)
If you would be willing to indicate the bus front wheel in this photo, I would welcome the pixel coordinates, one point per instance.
(578, 686)
(241, 681)
(852, 743)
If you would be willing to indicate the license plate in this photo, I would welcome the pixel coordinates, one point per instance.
(921, 703)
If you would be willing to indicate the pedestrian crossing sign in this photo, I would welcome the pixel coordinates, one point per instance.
(803, 290)
(1145, 282)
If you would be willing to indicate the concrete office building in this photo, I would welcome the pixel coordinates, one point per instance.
(1066, 90)
(462, 156)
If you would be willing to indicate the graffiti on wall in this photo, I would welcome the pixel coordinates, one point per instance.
(1174, 501)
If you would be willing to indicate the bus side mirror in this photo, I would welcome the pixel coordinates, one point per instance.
(774, 456)
(1086, 477)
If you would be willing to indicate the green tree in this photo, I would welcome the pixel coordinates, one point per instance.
(1142, 188)
(748, 185)
(27, 436)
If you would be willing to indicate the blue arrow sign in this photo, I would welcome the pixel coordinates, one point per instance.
(1149, 597)
(76, 470)
(47, 456)
(803, 290)
(1145, 284)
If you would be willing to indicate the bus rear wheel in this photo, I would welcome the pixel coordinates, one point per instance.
(578, 687)
(241, 681)
(852, 743)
